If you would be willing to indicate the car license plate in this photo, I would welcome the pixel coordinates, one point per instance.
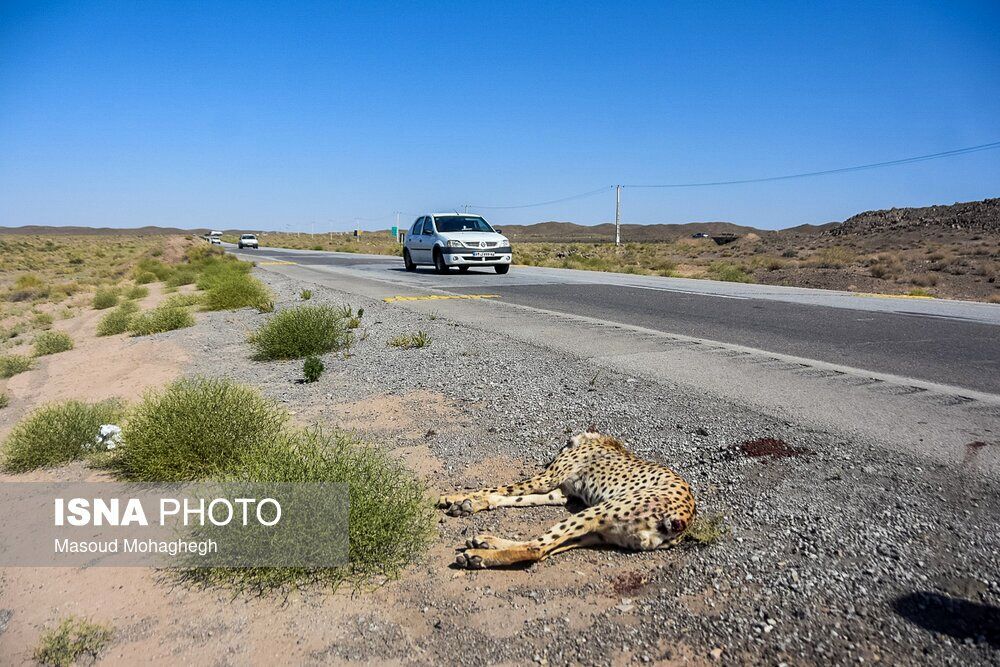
(483, 253)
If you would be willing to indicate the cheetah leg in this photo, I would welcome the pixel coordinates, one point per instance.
(564, 534)
(540, 490)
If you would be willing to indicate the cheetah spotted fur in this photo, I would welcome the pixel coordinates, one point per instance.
(632, 503)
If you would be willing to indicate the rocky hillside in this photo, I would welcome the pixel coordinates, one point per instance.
(571, 232)
(984, 215)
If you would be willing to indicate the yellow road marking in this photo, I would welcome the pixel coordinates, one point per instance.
(892, 296)
(273, 263)
(439, 297)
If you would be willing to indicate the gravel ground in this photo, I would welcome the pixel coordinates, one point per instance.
(839, 551)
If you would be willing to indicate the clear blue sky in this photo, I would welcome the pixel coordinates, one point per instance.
(273, 115)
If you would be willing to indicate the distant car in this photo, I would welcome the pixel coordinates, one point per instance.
(215, 240)
(699, 235)
(248, 241)
(444, 240)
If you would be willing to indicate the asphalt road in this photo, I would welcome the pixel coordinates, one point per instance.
(947, 342)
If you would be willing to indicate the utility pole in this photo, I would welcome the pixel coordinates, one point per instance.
(618, 215)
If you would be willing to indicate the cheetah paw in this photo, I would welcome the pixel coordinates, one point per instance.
(466, 507)
(470, 561)
(483, 541)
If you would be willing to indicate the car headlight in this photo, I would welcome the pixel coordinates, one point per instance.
(455, 244)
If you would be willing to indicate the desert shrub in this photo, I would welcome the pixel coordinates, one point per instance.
(182, 275)
(228, 286)
(835, 257)
(12, 364)
(73, 639)
(56, 433)
(409, 341)
(924, 280)
(117, 321)
(351, 320)
(391, 517)
(4, 400)
(885, 267)
(181, 301)
(159, 320)
(305, 294)
(729, 273)
(137, 292)
(195, 428)
(313, 368)
(300, 332)
(52, 342)
(145, 277)
(42, 320)
(28, 287)
(920, 292)
(154, 266)
(104, 298)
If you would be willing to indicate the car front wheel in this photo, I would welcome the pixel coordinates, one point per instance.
(502, 268)
(408, 262)
(439, 264)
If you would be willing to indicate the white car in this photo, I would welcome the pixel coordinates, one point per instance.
(248, 241)
(444, 240)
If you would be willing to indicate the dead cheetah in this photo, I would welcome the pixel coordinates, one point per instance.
(632, 503)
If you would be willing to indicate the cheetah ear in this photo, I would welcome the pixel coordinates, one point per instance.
(592, 428)
(676, 525)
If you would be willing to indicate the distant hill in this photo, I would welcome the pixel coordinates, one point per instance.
(983, 215)
(568, 231)
(71, 231)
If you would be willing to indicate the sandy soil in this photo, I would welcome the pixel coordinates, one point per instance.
(95, 369)
(158, 622)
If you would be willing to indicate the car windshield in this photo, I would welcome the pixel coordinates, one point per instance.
(249, 236)
(461, 223)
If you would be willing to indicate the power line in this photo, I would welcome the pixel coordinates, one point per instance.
(589, 193)
(841, 170)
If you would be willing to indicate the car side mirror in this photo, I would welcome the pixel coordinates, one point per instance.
(498, 230)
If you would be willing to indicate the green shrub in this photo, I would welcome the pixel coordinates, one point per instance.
(28, 287)
(305, 294)
(4, 401)
(137, 292)
(300, 332)
(181, 301)
(409, 341)
(12, 364)
(391, 517)
(145, 277)
(42, 320)
(729, 273)
(117, 321)
(313, 368)
(159, 320)
(73, 639)
(104, 298)
(195, 428)
(52, 342)
(237, 290)
(56, 433)
(154, 266)
(183, 275)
